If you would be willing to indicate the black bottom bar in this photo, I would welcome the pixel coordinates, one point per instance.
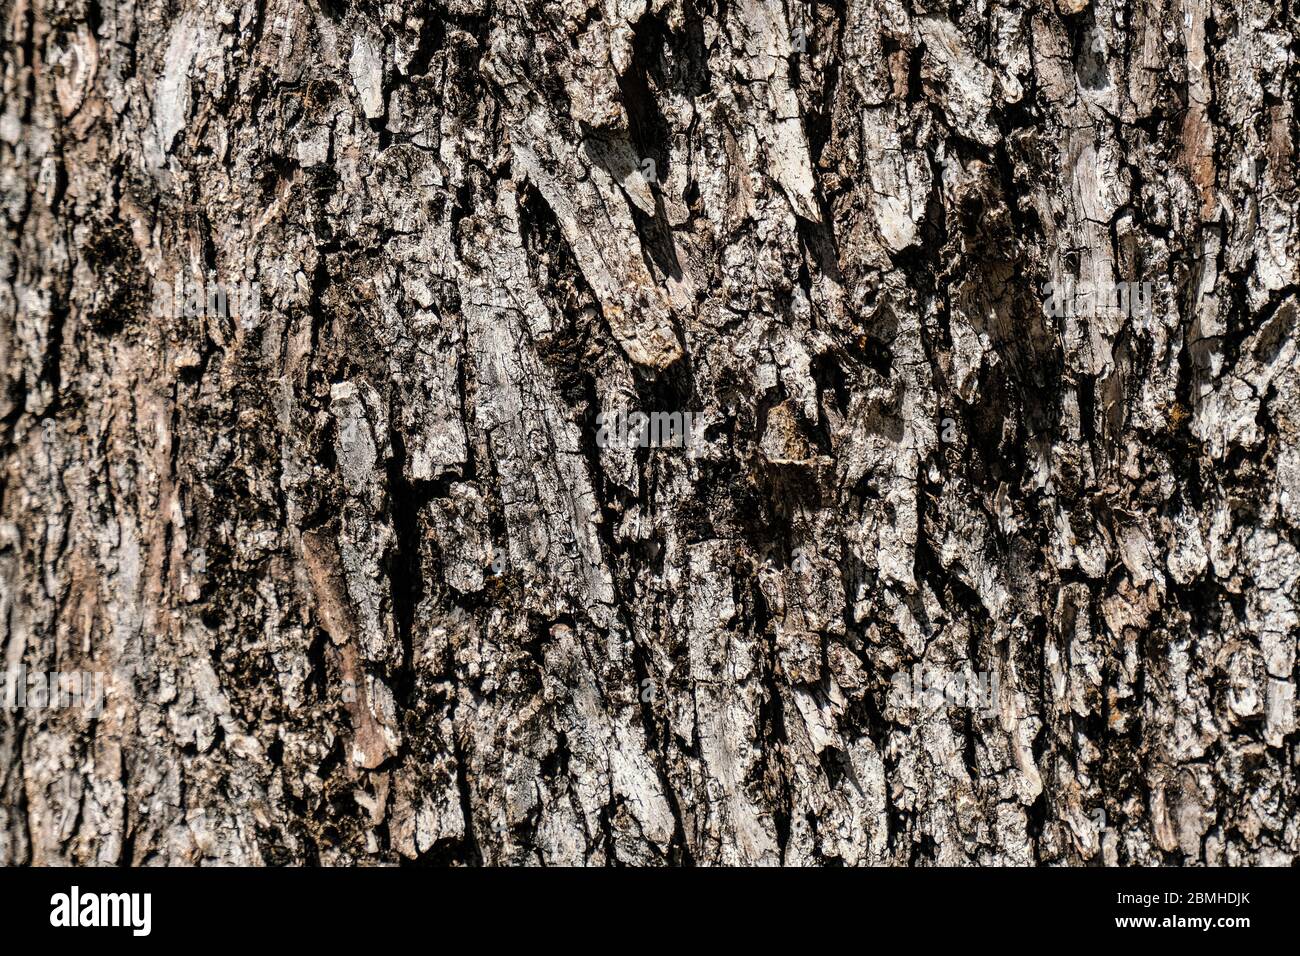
(731, 907)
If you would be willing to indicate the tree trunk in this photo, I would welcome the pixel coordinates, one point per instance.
(318, 322)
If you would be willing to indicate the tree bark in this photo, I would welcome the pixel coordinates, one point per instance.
(949, 572)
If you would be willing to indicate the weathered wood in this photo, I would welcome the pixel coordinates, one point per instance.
(953, 567)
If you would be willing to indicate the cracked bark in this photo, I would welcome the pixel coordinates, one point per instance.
(367, 588)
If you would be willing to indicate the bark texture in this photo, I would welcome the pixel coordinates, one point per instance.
(367, 587)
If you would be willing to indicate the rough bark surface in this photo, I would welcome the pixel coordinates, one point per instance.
(364, 583)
